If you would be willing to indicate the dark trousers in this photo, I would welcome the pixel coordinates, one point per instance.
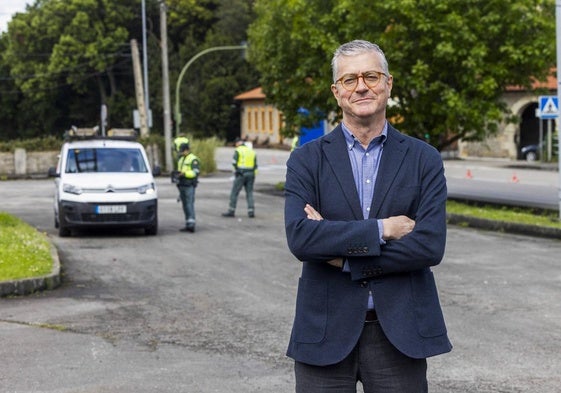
(187, 196)
(374, 362)
(242, 180)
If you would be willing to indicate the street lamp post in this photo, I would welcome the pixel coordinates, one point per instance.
(184, 70)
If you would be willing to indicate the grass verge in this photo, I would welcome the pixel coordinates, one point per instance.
(24, 251)
(515, 215)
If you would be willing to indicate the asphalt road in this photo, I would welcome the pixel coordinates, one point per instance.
(504, 182)
(211, 311)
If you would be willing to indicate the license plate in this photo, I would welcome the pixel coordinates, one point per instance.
(110, 209)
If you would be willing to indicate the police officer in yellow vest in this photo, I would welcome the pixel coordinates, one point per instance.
(245, 168)
(189, 169)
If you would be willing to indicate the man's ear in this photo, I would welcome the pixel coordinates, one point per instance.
(335, 92)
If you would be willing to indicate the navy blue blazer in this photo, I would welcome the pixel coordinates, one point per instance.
(331, 304)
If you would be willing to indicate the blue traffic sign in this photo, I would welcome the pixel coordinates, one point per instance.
(549, 107)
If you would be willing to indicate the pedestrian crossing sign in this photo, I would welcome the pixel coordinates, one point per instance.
(549, 107)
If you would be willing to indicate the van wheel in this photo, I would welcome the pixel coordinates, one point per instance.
(152, 229)
(63, 231)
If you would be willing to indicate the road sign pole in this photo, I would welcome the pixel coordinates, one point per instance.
(558, 42)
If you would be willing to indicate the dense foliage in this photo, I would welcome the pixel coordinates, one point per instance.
(451, 60)
(61, 60)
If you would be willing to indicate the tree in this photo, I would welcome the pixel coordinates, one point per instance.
(208, 88)
(451, 60)
(61, 60)
(63, 50)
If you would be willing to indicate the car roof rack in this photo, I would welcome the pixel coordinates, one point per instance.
(75, 133)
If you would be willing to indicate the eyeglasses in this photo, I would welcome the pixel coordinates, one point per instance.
(370, 79)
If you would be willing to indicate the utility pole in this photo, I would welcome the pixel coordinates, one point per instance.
(138, 89)
(165, 85)
(145, 64)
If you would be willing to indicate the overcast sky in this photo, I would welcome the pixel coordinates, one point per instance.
(8, 8)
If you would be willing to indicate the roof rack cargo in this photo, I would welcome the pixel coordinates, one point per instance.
(75, 133)
(122, 133)
(81, 133)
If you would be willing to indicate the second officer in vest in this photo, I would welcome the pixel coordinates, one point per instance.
(245, 168)
(189, 169)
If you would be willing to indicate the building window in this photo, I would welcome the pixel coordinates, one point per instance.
(256, 119)
(248, 114)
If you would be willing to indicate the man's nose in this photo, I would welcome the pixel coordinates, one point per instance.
(360, 84)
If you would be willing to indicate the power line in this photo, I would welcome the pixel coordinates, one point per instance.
(50, 74)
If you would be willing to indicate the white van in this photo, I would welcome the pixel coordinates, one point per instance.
(104, 182)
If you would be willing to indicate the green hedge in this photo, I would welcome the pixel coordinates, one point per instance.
(48, 143)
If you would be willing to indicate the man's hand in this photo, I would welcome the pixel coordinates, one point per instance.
(396, 227)
(312, 213)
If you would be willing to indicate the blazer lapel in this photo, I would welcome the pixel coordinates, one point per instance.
(392, 159)
(337, 156)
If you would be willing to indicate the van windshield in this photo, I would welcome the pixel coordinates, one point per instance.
(105, 160)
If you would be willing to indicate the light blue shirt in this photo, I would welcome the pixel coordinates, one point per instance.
(365, 164)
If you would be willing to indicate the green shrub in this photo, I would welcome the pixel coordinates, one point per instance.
(205, 149)
(48, 143)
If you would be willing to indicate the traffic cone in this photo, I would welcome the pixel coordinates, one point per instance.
(468, 174)
(515, 178)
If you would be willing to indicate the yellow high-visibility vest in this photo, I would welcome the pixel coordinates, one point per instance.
(187, 167)
(246, 157)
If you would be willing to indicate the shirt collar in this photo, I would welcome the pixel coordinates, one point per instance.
(351, 141)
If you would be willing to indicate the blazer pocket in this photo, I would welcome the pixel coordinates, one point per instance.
(311, 311)
(428, 313)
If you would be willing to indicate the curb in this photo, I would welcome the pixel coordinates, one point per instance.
(30, 285)
(502, 226)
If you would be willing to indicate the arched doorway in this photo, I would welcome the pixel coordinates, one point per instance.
(530, 128)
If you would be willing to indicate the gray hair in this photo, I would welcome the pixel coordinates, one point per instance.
(357, 47)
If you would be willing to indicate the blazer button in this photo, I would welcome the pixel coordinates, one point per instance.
(364, 284)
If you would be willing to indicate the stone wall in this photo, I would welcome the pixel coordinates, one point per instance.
(24, 164)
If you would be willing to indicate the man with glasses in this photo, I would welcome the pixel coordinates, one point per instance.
(365, 213)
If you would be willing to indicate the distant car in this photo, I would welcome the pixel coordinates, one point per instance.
(104, 182)
(531, 152)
